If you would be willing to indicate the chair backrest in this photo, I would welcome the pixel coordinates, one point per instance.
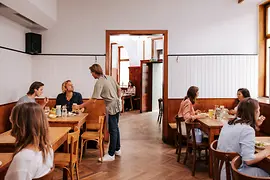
(73, 141)
(178, 124)
(48, 176)
(101, 120)
(219, 160)
(236, 163)
(190, 127)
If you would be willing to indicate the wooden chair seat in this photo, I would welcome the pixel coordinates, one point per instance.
(69, 161)
(97, 136)
(91, 135)
(64, 159)
(201, 145)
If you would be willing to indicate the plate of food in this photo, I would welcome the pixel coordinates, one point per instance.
(204, 114)
(261, 145)
(0, 163)
(52, 116)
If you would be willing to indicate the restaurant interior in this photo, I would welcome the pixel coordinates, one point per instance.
(193, 85)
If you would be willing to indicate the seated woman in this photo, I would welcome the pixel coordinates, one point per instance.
(186, 109)
(243, 127)
(131, 91)
(241, 94)
(68, 96)
(33, 156)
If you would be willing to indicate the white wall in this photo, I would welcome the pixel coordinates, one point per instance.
(208, 26)
(53, 71)
(216, 76)
(43, 12)
(157, 84)
(15, 68)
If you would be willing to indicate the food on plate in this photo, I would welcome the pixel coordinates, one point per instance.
(261, 145)
(52, 116)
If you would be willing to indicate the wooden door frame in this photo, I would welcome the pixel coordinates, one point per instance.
(108, 70)
(150, 87)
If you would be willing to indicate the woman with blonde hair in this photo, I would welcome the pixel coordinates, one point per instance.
(33, 156)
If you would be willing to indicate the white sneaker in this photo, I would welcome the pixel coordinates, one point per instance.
(118, 153)
(107, 157)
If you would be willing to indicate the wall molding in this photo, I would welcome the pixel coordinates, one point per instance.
(212, 54)
(52, 54)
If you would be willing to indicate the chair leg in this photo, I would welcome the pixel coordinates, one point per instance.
(186, 156)
(77, 170)
(82, 145)
(206, 156)
(101, 150)
(199, 153)
(179, 147)
(194, 162)
(71, 171)
(160, 118)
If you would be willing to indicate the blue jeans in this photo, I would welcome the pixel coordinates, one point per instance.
(114, 134)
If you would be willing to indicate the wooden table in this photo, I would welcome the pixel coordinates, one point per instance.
(212, 128)
(126, 96)
(6, 159)
(264, 164)
(72, 121)
(58, 136)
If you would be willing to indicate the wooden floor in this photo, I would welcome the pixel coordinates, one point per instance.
(144, 155)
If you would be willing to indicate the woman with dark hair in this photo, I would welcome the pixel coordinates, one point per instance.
(131, 91)
(33, 156)
(239, 136)
(186, 109)
(241, 94)
(35, 90)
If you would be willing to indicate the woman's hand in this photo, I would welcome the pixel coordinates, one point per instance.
(232, 112)
(46, 100)
(260, 120)
(197, 111)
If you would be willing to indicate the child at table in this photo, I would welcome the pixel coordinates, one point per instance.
(239, 136)
(33, 156)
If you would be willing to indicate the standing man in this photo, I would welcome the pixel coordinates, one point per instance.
(108, 89)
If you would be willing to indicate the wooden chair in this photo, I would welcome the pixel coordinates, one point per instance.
(69, 160)
(236, 163)
(179, 136)
(192, 146)
(97, 136)
(160, 111)
(219, 160)
(48, 176)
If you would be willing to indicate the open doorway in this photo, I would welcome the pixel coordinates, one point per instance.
(139, 56)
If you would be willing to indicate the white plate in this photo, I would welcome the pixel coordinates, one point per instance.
(0, 163)
(260, 147)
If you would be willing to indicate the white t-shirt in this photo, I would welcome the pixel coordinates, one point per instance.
(28, 164)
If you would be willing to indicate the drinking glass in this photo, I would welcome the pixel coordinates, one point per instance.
(47, 110)
(211, 113)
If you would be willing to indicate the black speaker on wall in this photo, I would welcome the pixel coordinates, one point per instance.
(32, 43)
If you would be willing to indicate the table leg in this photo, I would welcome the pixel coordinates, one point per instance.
(131, 104)
(65, 172)
(211, 137)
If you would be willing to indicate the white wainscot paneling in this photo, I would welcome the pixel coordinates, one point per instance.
(216, 76)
